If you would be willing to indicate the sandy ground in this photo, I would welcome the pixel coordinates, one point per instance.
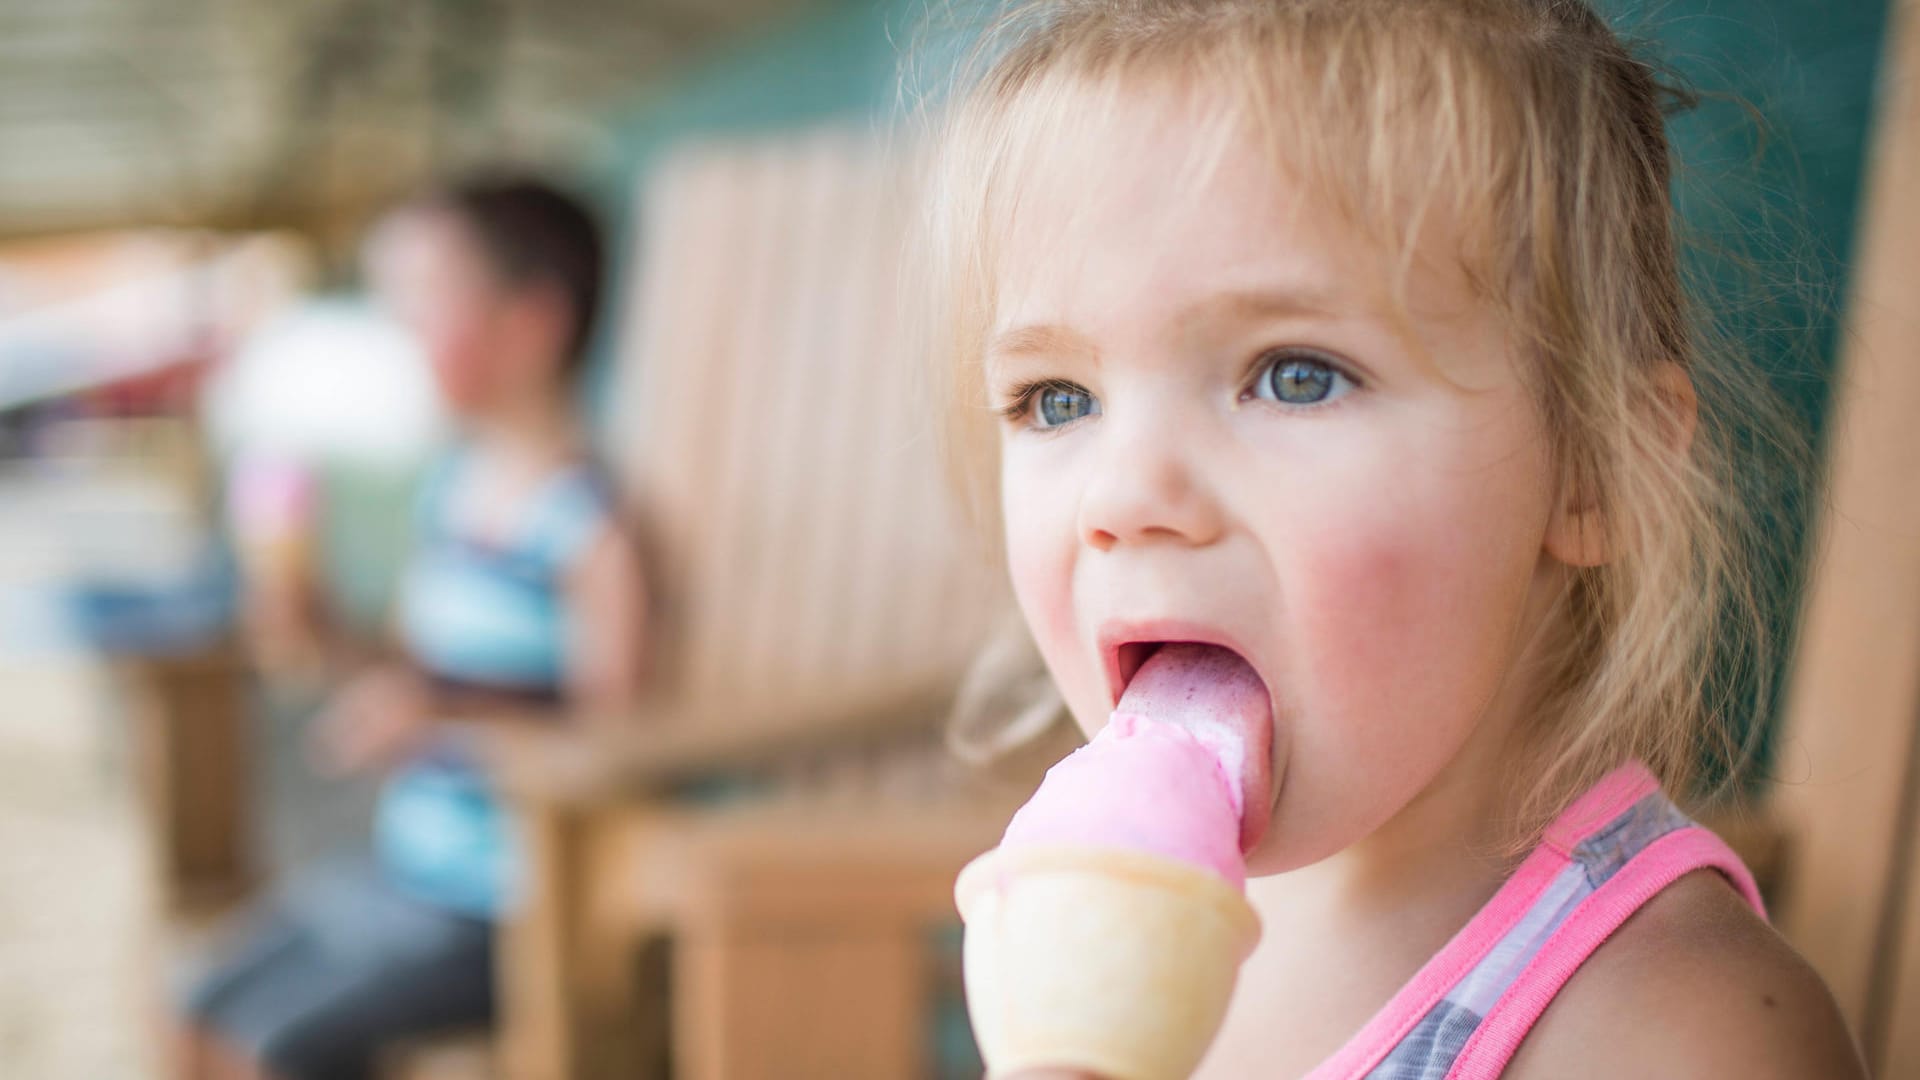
(73, 981)
(77, 976)
(81, 978)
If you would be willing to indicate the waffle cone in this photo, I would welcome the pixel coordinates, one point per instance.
(1115, 962)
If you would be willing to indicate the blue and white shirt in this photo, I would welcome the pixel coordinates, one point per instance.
(487, 615)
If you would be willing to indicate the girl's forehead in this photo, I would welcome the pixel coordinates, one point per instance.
(1162, 207)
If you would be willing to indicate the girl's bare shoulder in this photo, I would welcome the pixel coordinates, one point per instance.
(1694, 984)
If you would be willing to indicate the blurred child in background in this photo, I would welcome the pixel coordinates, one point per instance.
(522, 598)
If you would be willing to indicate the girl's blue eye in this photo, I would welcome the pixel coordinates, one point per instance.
(1055, 404)
(1292, 377)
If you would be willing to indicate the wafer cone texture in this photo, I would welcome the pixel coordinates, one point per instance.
(1115, 962)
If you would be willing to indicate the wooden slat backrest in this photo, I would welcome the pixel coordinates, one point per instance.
(769, 431)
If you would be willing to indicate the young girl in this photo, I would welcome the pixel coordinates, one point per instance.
(1348, 335)
(522, 600)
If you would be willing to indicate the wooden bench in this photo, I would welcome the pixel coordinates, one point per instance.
(796, 937)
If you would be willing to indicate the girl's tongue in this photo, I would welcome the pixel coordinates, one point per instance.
(1180, 770)
(1219, 699)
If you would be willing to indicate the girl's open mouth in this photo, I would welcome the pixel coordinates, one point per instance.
(1218, 697)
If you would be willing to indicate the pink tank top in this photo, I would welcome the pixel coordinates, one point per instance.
(1463, 1016)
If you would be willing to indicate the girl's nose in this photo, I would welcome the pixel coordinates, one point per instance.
(1146, 490)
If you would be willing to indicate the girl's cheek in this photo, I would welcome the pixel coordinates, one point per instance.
(1040, 544)
(1403, 627)
(1356, 580)
(1039, 530)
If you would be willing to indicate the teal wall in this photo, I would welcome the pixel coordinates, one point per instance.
(838, 64)
(1770, 170)
(1773, 154)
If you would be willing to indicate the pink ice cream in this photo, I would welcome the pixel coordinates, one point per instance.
(1181, 769)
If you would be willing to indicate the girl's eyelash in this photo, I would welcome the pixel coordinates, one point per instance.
(1020, 398)
(1267, 358)
(1021, 395)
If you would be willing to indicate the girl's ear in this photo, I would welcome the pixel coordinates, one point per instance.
(1577, 535)
(1678, 407)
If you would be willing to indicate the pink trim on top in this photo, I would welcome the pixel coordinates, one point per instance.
(1658, 865)
(1618, 790)
(1441, 973)
(1603, 802)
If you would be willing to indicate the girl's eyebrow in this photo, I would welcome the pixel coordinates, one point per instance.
(1055, 341)
(1040, 340)
(1254, 304)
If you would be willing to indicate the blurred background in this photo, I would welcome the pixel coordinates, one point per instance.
(756, 883)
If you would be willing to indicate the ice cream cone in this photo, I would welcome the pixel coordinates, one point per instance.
(1112, 961)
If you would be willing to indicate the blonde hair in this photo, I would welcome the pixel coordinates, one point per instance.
(1531, 127)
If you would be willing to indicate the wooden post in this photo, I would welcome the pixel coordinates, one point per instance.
(1902, 1023)
(1854, 697)
(541, 1034)
(568, 982)
(192, 748)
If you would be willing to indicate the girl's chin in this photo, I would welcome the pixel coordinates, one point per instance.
(1283, 849)
(1265, 864)
(1266, 859)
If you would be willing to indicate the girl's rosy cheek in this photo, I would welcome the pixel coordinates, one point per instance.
(1040, 562)
(1365, 608)
(1041, 579)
